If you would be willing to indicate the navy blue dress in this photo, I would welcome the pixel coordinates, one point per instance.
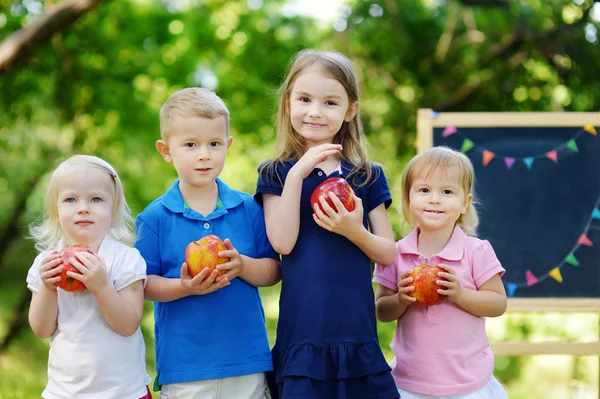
(326, 344)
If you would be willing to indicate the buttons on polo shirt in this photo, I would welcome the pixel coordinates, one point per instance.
(320, 173)
(207, 225)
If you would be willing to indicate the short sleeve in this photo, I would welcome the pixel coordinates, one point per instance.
(148, 246)
(387, 276)
(378, 190)
(262, 244)
(270, 181)
(34, 281)
(129, 267)
(485, 263)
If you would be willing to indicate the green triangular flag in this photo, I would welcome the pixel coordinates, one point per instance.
(571, 260)
(572, 145)
(467, 145)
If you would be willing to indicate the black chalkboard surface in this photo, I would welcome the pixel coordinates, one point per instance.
(538, 183)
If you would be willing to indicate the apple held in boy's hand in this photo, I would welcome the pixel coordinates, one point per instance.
(339, 187)
(67, 255)
(424, 281)
(205, 253)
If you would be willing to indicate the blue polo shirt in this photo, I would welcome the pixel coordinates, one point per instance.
(326, 328)
(221, 334)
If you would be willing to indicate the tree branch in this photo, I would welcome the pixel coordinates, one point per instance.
(56, 19)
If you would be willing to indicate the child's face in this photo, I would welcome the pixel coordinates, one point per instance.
(197, 147)
(318, 105)
(84, 205)
(437, 199)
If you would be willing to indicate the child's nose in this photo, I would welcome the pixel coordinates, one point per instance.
(203, 153)
(314, 110)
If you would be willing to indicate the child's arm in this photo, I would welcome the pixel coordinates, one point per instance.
(163, 289)
(488, 301)
(378, 244)
(389, 304)
(261, 272)
(283, 236)
(123, 309)
(43, 311)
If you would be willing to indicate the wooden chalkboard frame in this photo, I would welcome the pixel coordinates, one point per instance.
(427, 121)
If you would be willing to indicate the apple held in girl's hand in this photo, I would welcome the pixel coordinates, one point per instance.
(424, 281)
(339, 187)
(205, 253)
(67, 255)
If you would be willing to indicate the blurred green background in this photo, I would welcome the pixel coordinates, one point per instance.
(91, 79)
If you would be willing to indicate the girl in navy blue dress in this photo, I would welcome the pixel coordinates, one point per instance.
(326, 343)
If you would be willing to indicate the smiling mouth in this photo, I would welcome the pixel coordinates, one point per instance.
(203, 169)
(435, 212)
(313, 125)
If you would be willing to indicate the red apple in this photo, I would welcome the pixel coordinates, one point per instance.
(339, 187)
(205, 253)
(424, 281)
(66, 282)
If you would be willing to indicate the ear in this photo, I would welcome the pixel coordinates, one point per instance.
(229, 141)
(468, 200)
(163, 149)
(351, 113)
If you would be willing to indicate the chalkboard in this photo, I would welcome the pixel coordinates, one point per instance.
(538, 182)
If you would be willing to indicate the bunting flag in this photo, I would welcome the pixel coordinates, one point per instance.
(552, 155)
(555, 274)
(467, 145)
(588, 127)
(584, 240)
(531, 279)
(488, 155)
(569, 259)
(448, 131)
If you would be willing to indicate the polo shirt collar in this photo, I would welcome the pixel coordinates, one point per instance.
(345, 166)
(228, 197)
(454, 249)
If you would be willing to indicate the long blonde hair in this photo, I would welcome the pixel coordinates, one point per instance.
(48, 233)
(441, 158)
(290, 145)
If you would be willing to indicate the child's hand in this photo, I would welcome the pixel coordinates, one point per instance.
(405, 287)
(93, 271)
(234, 267)
(202, 283)
(451, 283)
(312, 158)
(341, 222)
(49, 269)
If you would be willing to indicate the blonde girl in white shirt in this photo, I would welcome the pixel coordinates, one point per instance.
(96, 346)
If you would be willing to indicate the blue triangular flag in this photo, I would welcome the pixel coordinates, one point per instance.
(434, 114)
(528, 161)
(511, 288)
(596, 214)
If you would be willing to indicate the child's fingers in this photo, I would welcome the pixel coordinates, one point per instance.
(320, 223)
(198, 278)
(447, 268)
(405, 281)
(406, 274)
(329, 211)
(76, 276)
(50, 265)
(46, 274)
(339, 207)
(230, 253)
(406, 289)
(407, 298)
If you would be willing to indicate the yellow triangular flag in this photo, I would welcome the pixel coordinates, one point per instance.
(588, 127)
(555, 274)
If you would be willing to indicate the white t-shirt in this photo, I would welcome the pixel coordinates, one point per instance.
(88, 359)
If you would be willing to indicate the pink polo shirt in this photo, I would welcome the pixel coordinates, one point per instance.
(442, 349)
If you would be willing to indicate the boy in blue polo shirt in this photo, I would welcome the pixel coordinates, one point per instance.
(210, 334)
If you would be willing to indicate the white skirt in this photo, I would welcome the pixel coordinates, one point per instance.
(492, 390)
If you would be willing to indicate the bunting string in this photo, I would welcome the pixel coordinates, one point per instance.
(488, 156)
(570, 259)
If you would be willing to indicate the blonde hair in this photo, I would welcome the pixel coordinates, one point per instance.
(442, 158)
(192, 101)
(290, 145)
(48, 234)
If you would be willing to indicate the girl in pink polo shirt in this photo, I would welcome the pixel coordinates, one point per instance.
(442, 350)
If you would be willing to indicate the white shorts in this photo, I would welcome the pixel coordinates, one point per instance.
(492, 390)
(251, 386)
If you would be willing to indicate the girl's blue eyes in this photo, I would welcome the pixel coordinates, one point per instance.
(73, 200)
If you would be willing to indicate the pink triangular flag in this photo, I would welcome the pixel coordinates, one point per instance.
(449, 130)
(552, 155)
(531, 279)
(509, 162)
(584, 240)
